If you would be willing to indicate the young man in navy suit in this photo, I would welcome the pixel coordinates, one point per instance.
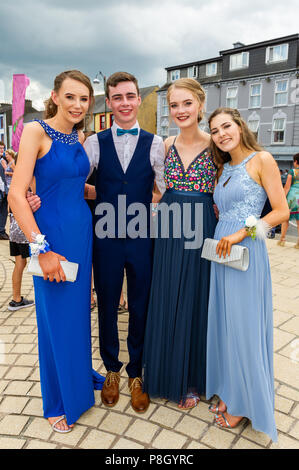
(128, 161)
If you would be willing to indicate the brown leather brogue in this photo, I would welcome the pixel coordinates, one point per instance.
(110, 390)
(139, 400)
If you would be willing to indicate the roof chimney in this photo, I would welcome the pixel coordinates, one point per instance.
(238, 44)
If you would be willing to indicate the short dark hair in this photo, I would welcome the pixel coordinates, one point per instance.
(119, 77)
(2, 143)
(296, 158)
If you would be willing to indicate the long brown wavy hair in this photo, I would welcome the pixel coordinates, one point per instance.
(51, 107)
(248, 139)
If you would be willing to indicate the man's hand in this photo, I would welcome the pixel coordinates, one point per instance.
(90, 192)
(216, 211)
(33, 201)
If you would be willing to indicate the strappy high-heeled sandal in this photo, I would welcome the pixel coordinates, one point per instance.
(281, 242)
(215, 408)
(226, 424)
(189, 396)
(62, 431)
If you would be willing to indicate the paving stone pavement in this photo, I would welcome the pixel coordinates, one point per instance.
(164, 425)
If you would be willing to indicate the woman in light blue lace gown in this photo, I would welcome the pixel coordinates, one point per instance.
(240, 328)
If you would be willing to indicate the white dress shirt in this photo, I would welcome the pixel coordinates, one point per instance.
(125, 146)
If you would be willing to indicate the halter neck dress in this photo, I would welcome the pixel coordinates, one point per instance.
(63, 309)
(240, 320)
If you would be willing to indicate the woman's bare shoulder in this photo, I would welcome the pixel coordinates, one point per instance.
(168, 142)
(33, 128)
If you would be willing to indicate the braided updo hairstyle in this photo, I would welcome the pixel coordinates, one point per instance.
(196, 89)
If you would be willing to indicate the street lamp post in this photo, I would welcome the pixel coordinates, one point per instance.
(96, 80)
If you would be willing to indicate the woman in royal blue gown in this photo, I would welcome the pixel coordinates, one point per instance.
(51, 151)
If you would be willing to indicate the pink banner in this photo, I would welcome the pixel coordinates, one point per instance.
(19, 85)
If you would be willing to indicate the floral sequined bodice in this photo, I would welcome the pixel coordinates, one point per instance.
(237, 195)
(199, 176)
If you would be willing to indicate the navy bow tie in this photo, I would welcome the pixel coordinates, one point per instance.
(126, 131)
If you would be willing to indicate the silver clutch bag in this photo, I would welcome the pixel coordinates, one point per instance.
(238, 258)
(70, 269)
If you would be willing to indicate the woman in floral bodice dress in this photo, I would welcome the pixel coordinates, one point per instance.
(174, 361)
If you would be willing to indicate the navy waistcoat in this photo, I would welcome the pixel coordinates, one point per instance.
(136, 184)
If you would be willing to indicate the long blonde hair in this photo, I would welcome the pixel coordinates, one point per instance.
(247, 137)
(51, 107)
(191, 85)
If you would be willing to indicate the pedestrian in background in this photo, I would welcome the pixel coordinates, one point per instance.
(291, 189)
(3, 194)
(11, 164)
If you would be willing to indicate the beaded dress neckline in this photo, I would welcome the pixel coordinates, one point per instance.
(59, 136)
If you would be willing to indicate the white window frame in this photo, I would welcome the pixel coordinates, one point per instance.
(192, 72)
(164, 106)
(228, 105)
(164, 127)
(244, 63)
(175, 75)
(209, 67)
(256, 129)
(251, 95)
(280, 129)
(272, 60)
(286, 92)
(2, 129)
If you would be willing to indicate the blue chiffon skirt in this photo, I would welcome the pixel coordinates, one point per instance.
(174, 359)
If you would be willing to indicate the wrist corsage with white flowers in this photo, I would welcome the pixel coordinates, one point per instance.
(256, 228)
(39, 244)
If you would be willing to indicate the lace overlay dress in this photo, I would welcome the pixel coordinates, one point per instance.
(240, 320)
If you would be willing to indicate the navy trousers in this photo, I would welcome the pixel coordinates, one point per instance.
(111, 258)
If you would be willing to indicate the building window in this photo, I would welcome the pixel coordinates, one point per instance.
(255, 95)
(278, 130)
(174, 75)
(164, 128)
(193, 71)
(164, 131)
(1, 122)
(254, 125)
(239, 61)
(281, 93)
(164, 106)
(277, 53)
(232, 97)
(102, 122)
(211, 69)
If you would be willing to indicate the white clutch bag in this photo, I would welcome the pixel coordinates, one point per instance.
(70, 269)
(238, 258)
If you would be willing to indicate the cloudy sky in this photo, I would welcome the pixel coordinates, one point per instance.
(41, 38)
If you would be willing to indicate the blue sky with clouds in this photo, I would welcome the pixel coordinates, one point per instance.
(44, 37)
